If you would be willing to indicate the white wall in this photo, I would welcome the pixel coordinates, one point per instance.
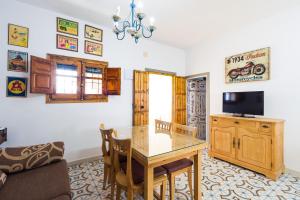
(31, 121)
(282, 94)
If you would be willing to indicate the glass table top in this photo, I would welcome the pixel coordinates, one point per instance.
(150, 143)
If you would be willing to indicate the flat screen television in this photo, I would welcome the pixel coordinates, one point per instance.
(243, 103)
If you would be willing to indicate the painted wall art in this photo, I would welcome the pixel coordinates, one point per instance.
(66, 43)
(16, 87)
(93, 48)
(93, 33)
(17, 61)
(18, 35)
(67, 26)
(247, 67)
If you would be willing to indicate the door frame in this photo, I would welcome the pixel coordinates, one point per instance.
(207, 76)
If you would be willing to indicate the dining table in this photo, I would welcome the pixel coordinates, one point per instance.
(153, 148)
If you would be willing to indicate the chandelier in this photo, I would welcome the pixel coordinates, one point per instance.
(133, 24)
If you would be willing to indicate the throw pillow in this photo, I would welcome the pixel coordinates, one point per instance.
(23, 158)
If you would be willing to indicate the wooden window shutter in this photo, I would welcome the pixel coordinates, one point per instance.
(140, 98)
(113, 81)
(179, 100)
(41, 76)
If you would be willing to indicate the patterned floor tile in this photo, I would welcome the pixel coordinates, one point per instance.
(220, 180)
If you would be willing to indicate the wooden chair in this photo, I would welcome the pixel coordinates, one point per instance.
(163, 126)
(106, 146)
(181, 166)
(125, 178)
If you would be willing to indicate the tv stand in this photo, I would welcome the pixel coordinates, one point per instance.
(253, 143)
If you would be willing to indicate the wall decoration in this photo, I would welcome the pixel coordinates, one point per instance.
(18, 35)
(93, 33)
(16, 87)
(93, 48)
(246, 67)
(17, 61)
(66, 43)
(67, 26)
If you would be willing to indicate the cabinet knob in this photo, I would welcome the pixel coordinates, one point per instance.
(265, 126)
(236, 122)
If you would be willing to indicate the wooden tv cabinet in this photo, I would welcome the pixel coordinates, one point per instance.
(252, 143)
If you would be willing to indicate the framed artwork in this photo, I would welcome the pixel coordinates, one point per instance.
(93, 48)
(17, 61)
(248, 67)
(93, 33)
(18, 35)
(16, 87)
(66, 26)
(66, 43)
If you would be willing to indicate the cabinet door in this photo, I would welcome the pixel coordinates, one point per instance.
(254, 149)
(223, 141)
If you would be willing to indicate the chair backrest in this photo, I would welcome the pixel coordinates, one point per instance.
(162, 126)
(183, 129)
(122, 148)
(106, 138)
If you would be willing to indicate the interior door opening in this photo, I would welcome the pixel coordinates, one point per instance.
(198, 104)
(160, 98)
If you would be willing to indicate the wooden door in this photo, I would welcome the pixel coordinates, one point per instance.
(179, 100)
(223, 141)
(254, 148)
(140, 98)
(41, 76)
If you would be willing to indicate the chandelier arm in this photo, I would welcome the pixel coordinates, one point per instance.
(143, 32)
(121, 38)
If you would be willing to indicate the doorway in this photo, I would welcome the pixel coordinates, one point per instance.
(198, 103)
(160, 97)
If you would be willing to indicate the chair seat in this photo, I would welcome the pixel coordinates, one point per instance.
(138, 171)
(178, 165)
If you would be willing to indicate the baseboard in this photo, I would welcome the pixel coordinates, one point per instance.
(292, 172)
(89, 159)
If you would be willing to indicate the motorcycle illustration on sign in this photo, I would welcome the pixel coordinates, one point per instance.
(250, 66)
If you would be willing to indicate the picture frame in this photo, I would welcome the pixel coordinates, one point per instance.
(66, 43)
(93, 33)
(248, 67)
(16, 87)
(18, 35)
(93, 48)
(67, 26)
(17, 61)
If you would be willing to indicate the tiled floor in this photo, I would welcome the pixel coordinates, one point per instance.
(220, 181)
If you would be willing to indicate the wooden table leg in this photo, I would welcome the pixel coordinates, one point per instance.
(197, 175)
(148, 195)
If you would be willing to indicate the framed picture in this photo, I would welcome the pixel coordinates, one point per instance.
(18, 35)
(93, 33)
(247, 67)
(16, 87)
(17, 61)
(66, 26)
(93, 48)
(66, 43)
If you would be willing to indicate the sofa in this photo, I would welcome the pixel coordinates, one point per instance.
(35, 173)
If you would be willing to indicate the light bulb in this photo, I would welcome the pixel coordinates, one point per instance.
(139, 6)
(152, 20)
(118, 11)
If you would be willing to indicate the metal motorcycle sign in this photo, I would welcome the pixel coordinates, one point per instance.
(246, 67)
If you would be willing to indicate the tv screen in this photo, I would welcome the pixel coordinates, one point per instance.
(251, 103)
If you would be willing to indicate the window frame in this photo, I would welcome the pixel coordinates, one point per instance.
(80, 96)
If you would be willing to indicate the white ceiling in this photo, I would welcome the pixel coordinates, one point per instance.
(180, 23)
